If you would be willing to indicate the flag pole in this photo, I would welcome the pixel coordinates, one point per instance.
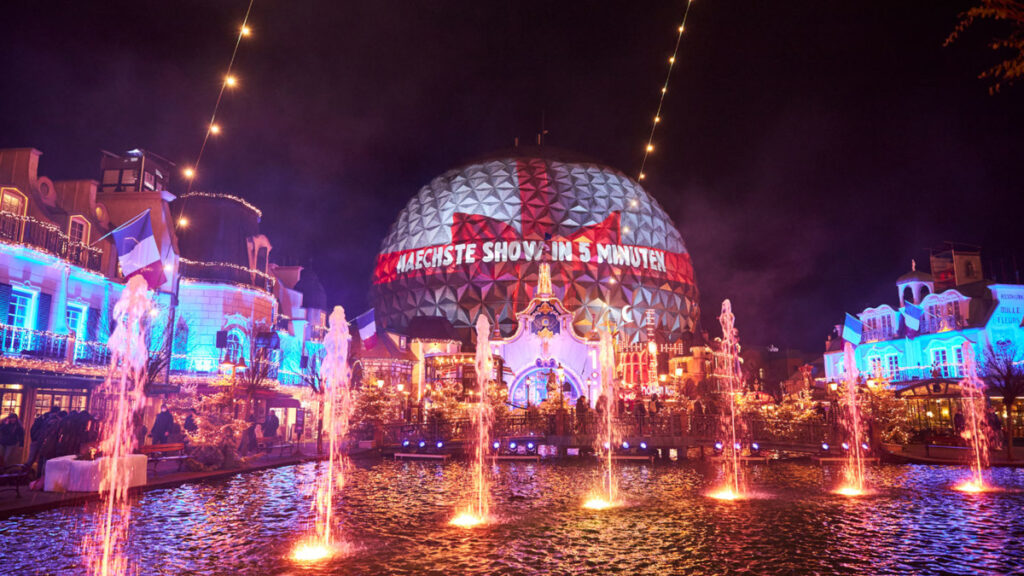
(137, 216)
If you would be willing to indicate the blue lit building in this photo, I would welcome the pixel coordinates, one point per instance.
(925, 365)
(58, 284)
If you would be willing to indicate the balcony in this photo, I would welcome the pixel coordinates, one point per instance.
(24, 348)
(225, 272)
(48, 238)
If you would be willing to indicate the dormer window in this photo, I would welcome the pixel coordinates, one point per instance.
(13, 201)
(78, 230)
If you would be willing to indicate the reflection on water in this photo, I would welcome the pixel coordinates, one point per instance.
(395, 517)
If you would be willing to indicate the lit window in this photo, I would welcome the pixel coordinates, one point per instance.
(235, 345)
(940, 360)
(76, 320)
(110, 177)
(876, 366)
(893, 363)
(20, 309)
(12, 202)
(78, 230)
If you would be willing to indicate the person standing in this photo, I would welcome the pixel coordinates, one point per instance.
(270, 425)
(582, 409)
(12, 439)
(162, 426)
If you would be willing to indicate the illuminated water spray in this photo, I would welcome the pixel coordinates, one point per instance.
(104, 547)
(731, 422)
(853, 471)
(972, 391)
(337, 408)
(608, 494)
(478, 511)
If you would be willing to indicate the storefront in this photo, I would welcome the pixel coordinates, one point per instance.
(29, 395)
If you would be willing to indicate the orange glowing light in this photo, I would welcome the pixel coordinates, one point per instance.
(183, 222)
(850, 491)
(246, 31)
(598, 503)
(971, 486)
(650, 147)
(214, 129)
(311, 552)
(189, 173)
(467, 519)
(231, 81)
(725, 493)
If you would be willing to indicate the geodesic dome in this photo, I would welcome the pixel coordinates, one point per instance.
(472, 240)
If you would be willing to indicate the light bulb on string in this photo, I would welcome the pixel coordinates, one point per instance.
(214, 129)
(189, 173)
(230, 81)
(650, 147)
(245, 31)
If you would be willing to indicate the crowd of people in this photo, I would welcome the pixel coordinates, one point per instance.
(53, 433)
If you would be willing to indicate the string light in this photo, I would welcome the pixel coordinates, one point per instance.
(229, 266)
(664, 90)
(230, 81)
(189, 173)
(259, 213)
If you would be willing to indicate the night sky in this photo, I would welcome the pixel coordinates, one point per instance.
(808, 151)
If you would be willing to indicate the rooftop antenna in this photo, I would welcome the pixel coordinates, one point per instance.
(543, 131)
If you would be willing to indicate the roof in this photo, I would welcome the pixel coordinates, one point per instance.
(313, 294)
(431, 328)
(915, 276)
(384, 349)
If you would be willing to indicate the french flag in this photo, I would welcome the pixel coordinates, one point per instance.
(853, 329)
(367, 326)
(137, 251)
(912, 316)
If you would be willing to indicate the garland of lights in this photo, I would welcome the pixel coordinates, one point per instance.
(228, 265)
(259, 213)
(230, 81)
(664, 89)
(49, 226)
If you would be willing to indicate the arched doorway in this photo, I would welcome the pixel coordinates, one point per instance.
(534, 381)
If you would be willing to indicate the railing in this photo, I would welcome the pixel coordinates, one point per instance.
(703, 427)
(225, 272)
(22, 343)
(48, 238)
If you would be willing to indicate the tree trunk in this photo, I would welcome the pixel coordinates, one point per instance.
(1008, 425)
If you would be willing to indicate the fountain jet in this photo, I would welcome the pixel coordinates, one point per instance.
(731, 423)
(337, 408)
(608, 494)
(104, 548)
(853, 471)
(972, 391)
(478, 511)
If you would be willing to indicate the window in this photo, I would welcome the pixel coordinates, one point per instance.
(78, 230)
(875, 364)
(21, 309)
(13, 202)
(235, 346)
(893, 364)
(940, 362)
(958, 358)
(76, 320)
(110, 177)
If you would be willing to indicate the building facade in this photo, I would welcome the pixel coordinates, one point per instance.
(59, 280)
